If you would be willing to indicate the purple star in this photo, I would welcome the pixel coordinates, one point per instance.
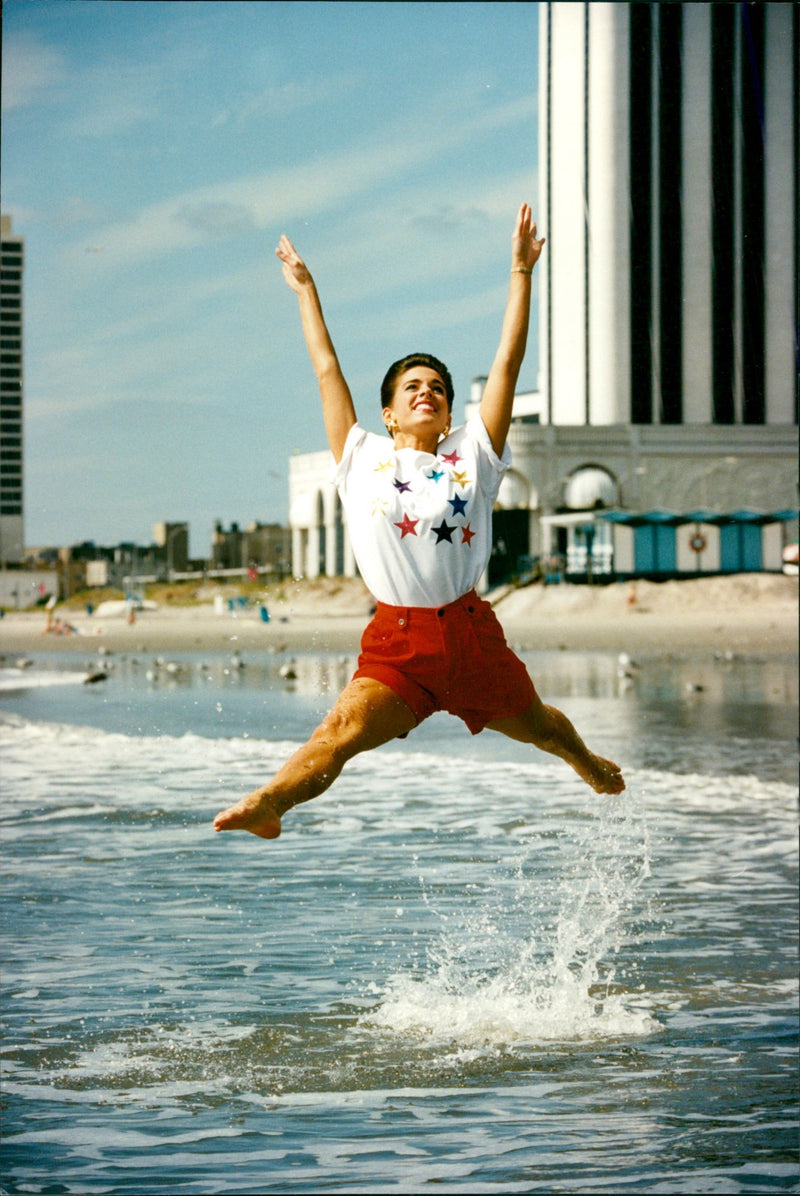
(402, 486)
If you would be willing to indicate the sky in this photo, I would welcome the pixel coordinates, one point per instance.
(152, 154)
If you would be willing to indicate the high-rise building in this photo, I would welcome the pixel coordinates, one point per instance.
(668, 167)
(12, 540)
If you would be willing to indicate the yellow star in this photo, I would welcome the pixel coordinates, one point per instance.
(383, 466)
(379, 506)
(460, 479)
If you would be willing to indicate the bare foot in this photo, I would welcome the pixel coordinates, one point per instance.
(604, 776)
(254, 813)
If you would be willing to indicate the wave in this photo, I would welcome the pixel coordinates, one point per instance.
(487, 777)
(12, 680)
(519, 897)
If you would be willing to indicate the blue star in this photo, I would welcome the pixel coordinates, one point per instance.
(402, 486)
(435, 474)
(444, 532)
(459, 505)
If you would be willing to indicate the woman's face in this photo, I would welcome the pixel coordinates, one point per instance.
(419, 404)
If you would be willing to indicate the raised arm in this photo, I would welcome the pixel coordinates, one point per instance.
(337, 402)
(498, 394)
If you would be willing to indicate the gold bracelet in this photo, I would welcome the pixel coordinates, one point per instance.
(520, 270)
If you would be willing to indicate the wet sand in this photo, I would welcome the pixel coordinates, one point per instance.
(747, 614)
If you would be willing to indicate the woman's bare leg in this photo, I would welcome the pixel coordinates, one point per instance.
(365, 715)
(549, 729)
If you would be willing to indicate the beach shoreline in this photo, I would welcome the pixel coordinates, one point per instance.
(746, 614)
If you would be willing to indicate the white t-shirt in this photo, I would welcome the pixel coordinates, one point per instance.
(420, 524)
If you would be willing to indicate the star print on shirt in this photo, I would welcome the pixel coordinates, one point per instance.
(435, 475)
(443, 532)
(379, 506)
(401, 486)
(460, 479)
(451, 457)
(408, 527)
(459, 505)
(382, 466)
(466, 535)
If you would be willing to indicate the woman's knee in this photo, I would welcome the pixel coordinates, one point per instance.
(366, 715)
(534, 725)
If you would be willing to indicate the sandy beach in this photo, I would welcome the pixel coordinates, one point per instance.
(747, 614)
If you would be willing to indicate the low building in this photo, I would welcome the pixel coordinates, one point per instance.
(261, 546)
(320, 544)
(172, 540)
(587, 501)
(23, 588)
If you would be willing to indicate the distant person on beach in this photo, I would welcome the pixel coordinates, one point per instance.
(419, 509)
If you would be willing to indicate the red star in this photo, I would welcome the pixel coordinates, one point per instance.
(408, 527)
(466, 535)
(451, 457)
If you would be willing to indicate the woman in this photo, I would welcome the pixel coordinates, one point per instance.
(418, 510)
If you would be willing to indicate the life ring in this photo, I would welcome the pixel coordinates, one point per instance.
(697, 542)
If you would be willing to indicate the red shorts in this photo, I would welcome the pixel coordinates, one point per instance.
(452, 658)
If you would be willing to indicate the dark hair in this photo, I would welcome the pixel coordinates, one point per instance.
(407, 363)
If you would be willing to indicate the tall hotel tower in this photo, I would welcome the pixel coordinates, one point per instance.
(11, 523)
(668, 163)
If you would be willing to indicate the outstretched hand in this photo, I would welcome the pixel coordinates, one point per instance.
(295, 271)
(525, 245)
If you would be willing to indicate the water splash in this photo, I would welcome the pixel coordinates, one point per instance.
(535, 958)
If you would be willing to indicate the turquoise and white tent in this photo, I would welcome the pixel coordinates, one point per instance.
(666, 543)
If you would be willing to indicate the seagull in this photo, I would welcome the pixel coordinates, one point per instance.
(626, 668)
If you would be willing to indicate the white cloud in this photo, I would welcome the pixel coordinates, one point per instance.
(286, 99)
(115, 114)
(260, 201)
(428, 233)
(269, 199)
(29, 71)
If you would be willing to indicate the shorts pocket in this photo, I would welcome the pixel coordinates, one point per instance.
(488, 631)
(385, 641)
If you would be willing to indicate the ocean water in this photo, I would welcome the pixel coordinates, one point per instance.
(458, 971)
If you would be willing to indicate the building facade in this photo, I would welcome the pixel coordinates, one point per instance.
(12, 257)
(668, 167)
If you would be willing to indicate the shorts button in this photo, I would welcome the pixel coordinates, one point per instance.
(471, 609)
(440, 613)
(401, 622)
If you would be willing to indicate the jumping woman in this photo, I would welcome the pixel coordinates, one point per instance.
(418, 505)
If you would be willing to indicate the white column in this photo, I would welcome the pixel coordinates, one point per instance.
(565, 246)
(609, 213)
(542, 215)
(298, 561)
(780, 206)
(350, 568)
(697, 211)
